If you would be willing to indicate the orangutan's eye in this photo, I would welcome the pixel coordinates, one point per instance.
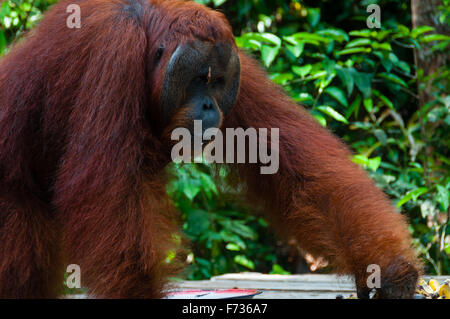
(159, 53)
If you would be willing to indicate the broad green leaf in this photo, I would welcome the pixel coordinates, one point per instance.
(267, 38)
(363, 82)
(292, 40)
(302, 70)
(208, 184)
(246, 43)
(191, 190)
(282, 78)
(328, 110)
(387, 64)
(362, 33)
(242, 230)
(313, 16)
(420, 30)
(354, 107)
(256, 40)
(364, 161)
(393, 78)
(278, 270)
(254, 44)
(374, 163)
(404, 31)
(382, 46)
(360, 159)
(324, 82)
(441, 46)
(272, 38)
(337, 94)
(329, 65)
(313, 42)
(393, 58)
(244, 261)
(268, 54)
(383, 34)
(218, 3)
(317, 75)
(384, 58)
(353, 50)
(412, 195)
(232, 247)
(443, 196)
(384, 99)
(320, 119)
(434, 37)
(381, 136)
(358, 42)
(368, 104)
(336, 34)
(347, 79)
(229, 237)
(402, 65)
(303, 97)
(296, 50)
(309, 36)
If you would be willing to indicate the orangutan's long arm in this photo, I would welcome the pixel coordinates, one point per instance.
(319, 196)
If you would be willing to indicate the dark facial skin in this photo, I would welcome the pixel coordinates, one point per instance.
(201, 82)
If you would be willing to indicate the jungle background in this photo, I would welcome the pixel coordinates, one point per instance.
(383, 90)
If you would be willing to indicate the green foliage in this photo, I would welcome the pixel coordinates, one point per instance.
(225, 237)
(18, 16)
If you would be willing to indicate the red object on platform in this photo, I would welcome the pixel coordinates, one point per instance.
(213, 294)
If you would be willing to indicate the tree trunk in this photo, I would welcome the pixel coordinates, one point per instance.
(425, 12)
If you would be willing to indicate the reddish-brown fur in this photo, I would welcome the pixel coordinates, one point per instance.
(81, 161)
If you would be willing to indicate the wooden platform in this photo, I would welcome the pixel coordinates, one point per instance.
(308, 286)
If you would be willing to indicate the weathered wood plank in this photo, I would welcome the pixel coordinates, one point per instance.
(247, 284)
(277, 294)
(307, 286)
(268, 277)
